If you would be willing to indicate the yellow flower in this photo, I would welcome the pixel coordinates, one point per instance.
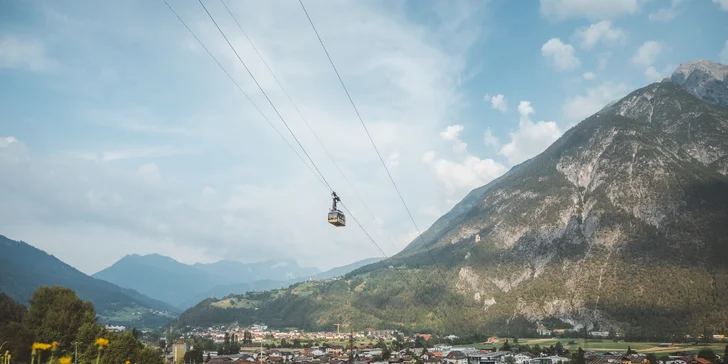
(101, 342)
(65, 360)
(55, 346)
(41, 346)
(128, 362)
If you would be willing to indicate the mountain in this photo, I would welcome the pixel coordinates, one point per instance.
(24, 268)
(183, 285)
(619, 225)
(268, 284)
(278, 270)
(703, 79)
(161, 277)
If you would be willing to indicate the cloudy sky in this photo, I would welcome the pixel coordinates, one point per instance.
(119, 134)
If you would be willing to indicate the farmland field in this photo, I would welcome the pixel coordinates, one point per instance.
(610, 345)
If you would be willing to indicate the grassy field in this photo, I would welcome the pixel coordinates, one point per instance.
(609, 345)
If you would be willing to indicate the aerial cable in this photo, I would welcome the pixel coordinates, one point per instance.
(290, 99)
(372, 142)
(266, 95)
(319, 176)
(333, 160)
(240, 89)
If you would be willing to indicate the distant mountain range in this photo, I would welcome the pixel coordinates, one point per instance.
(24, 268)
(184, 285)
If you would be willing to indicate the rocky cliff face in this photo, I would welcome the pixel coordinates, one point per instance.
(703, 79)
(619, 223)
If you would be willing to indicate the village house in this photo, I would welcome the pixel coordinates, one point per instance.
(522, 358)
(549, 360)
(456, 357)
(487, 358)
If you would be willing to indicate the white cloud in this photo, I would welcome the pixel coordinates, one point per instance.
(393, 160)
(530, 138)
(498, 102)
(208, 192)
(489, 139)
(12, 151)
(724, 53)
(589, 75)
(405, 73)
(561, 54)
(149, 172)
(723, 4)
(461, 177)
(580, 107)
(557, 10)
(667, 14)
(6, 141)
(602, 60)
(647, 53)
(18, 53)
(132, 153)
(652, 75)
(601, 32)
(452, 133)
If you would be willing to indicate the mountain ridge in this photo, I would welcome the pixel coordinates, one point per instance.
(619, 224)
(24, 268)
(184, 285)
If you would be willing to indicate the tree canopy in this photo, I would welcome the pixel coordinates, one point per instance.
(56, 314)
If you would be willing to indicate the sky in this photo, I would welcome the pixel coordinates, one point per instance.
(120, 135)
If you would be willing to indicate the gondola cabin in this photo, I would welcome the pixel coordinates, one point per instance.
(337, 218)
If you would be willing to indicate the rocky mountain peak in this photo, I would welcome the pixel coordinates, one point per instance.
(703, 79)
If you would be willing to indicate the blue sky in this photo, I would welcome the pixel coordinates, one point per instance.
(120, 135)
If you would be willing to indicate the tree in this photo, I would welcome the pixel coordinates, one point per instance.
(652, 358)
(707, 354)
(506, 346)
(296, 343)
(151, 356)
(515, 340)
(193, 357)
(510, 360)
(579, 356)
(162, 343)
(56, 314)
(630, 351)
(386, 353)
(381, 344)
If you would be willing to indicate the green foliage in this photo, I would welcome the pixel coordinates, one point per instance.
(194, 356)
(23, 269)
(707, 354)
(57, 314)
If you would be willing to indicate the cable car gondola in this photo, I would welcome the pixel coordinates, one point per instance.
(336, 217)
